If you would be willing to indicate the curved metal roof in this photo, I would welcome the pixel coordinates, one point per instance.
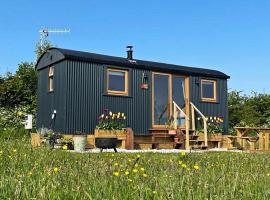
(54, 55)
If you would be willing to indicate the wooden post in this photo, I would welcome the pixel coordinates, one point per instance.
(174, 116)
(193, 117)
(266, 148)
(261, 141)
(187, 134)
(205, 132)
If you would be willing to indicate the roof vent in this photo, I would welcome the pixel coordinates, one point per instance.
(129, 53)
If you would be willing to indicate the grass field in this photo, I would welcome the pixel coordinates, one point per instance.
(41, 173)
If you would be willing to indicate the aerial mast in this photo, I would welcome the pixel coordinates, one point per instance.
(44, 33)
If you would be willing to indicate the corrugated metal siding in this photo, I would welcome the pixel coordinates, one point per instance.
(79, 98)
(49, 101)
(219, 109)
(86, 99)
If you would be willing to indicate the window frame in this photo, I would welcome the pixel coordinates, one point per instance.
(51, 79)
(214, 99)
(117, 92)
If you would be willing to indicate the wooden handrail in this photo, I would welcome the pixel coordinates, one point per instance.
(175, 108)
(193, 109)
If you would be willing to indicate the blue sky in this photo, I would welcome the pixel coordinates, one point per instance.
(231, 36)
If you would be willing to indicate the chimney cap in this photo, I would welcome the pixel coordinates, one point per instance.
(130, 47)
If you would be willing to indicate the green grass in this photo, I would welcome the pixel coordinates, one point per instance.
(40, 173)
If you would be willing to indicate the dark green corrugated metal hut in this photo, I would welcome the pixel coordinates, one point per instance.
(79, 90)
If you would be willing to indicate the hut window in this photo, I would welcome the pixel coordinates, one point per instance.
(208, 90)
(51, 74)
(117, 81)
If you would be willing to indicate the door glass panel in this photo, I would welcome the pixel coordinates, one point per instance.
(178, 96)
(161, 96)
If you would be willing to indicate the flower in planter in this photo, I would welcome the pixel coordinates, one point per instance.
(111, 121)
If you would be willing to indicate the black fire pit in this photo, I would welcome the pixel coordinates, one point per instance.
(106, 143)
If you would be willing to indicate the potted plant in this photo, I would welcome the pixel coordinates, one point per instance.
(79, 141)
(109, 127)
(68, 143)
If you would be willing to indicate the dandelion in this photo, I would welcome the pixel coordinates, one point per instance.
(184, 165)
(138, 155)
(56, 169)
(268, 174)
(1, 152)
(126, 173)
(196, 167)
(65, 147)
(129, 160)
(116, 173)
(115, 164)
(10, 157)
(183, 153)
(180, 162)
(142, 169)
(14, 150)
(145, 175)
(135, 170)
(154, 192)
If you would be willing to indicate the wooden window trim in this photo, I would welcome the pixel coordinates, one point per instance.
(211, 100)
(170, 97)
(51, 79)
(116, 92)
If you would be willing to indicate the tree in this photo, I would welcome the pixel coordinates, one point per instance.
(40, 49)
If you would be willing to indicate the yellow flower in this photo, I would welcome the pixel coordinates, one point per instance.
(110, 113)
(129, 160)
(136, 165)
(184, 165)
(180, 162)
(268, 174)
(123, 114)
(138, 155)
(65, 147)
(154, 192)
(115, 164)
(14, 150)
(30, 173)
(118, 116)
(119, 113)
(196, 167)
(9, 157)
(124, 117)
(126, 172)
(116, 173)
(1, 152)
(135, 170)
(142, 169)
(145, 175)
(183, 153)
(56, 169)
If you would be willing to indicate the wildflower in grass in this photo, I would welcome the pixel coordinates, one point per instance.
(123, 114)
(116, 173)
(138, 155)
(196, 167)
(142, 169)
(1, 152)
(115, 164)
(183, 153)
(180, 162)
(135, 170)
(65, 147)
(154, 192)
(30, 173)
(129, 180)
(136, 165)
(184, 165)
(268, 174)
(145, 175)
(14, 150)
(56, 169)
(129, 160)
(126, 173)
(112, 155)
(10, 157)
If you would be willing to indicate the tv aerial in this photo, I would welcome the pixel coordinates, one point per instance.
(44, 33)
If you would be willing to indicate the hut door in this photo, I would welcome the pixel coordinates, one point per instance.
(166, 89)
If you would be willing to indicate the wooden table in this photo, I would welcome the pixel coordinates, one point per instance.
(262, 134)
